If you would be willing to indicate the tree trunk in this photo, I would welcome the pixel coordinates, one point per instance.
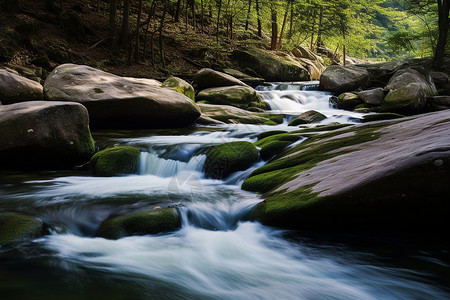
(248, 14)
(161, 49)
(319, 30)
(218, 21)
(259, 19)
(177, 11)
(274, 19)
(444, 24)
(112, 28)
(193, 12)
(138, 25)
(123, 38)
(202, 24)
(291, 21)
(283, 26)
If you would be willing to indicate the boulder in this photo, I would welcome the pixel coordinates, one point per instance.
(120, 102)
(442, 82)
(339, 79)
(152, 221)
(209, 78)
(16, 227)
(115, 161)
(233, 115)
(416, 75)
(311, 116)
(273, 144)
(381, 117)
(245, 78)
(179, 85)
(224, 159)
(44, 134)
(270, 66)
(411, 98)
(15, 88)
(302, 52)
(239, 96)
(380, 73)
(372, 97)
(349, 101)
(386, 176)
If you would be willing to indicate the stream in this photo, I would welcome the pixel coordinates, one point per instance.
(215, 254)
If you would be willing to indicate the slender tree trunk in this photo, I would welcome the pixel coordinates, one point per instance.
(282, 26)
(320, 28)
(138, 25)
(218, 21)
(248, 14)
(291, 20)
(112, 30)
(193, 13)
(258, 14)
(177, 11)
(444, 24)
(274, 19)
(150, 15)
(124, 32)
(202, 24)
(161, 49)
(187, 14)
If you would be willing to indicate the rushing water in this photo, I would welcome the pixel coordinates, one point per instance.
(215, 255)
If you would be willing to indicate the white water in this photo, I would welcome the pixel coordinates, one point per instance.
(216, 254)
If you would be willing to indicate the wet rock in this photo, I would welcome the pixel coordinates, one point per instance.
(339, 79)
(381, 73)
(179, 85)
(274, 144)
(411, 98)
(233, 115)
(381, 117)
(245, 78)
(372, 97)
(120, 102)
(15, 88)
(349, 101)
(239, 96)
(439, 102)
(417, 76)
(115, 161)
(16, 227)
(42, 134)
(224, 159)
(310, 116)
(152, 221)
(209, 78)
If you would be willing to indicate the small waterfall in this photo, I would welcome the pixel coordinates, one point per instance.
(152, 164)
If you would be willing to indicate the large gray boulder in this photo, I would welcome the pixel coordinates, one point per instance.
(380, 73)
(209, 78)
(240, 96)
(15, 88)
(120, 102)
(269, 66)
(372, 97)
(211, 114)
(410, 98)
(339, 79)
(384, 176)
(41, 134)
(414, 75)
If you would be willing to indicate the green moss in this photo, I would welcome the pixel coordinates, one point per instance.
(115, 161)
(67, 70)
(98, 90)
(272, 148)
(224, 159)
(151, 221)
(276, 118)
(15, 227)
(269, 133)
(297, 121)
(289, 137)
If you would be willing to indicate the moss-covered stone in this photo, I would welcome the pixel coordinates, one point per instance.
(179, 85)
(349, 100)
(269, 133)
(307, 117)
(151, 221)
(239, 96)
(224, 159)
(15, 227)
(231, 114)
(381, 116)
(409, 98)
(273, 148)
(116, 161)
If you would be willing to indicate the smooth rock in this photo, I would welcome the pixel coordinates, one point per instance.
(179, 85)
(372, 97)
(339, 79)
(15, 88)
(239, 96)
(16, 227)
(209, 78)
(411, 98)
(416, 75)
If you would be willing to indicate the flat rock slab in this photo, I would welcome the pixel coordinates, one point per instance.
(120, 102)
(41, 134)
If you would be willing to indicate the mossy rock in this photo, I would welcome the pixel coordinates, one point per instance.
(349, 100)
(15, 227)
(381, 116)
(224, 159)
(274, 144)
(307, 117)
(116, 161)
(179, 85)
(236, 95)
(269, 133)
(151, 221)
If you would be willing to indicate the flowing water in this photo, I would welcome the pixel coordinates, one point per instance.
(215, 254)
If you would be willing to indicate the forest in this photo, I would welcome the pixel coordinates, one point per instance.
(140, 30)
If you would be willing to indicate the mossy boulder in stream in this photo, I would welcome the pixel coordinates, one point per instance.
(310, 116)
(274, 144)
(234, 115)
(16, 227)
(116, 161)
(224, 159)
(179, 85)
(152, 221)
(240, 96)
(384, 176)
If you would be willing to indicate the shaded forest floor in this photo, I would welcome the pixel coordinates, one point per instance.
(77, 32)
